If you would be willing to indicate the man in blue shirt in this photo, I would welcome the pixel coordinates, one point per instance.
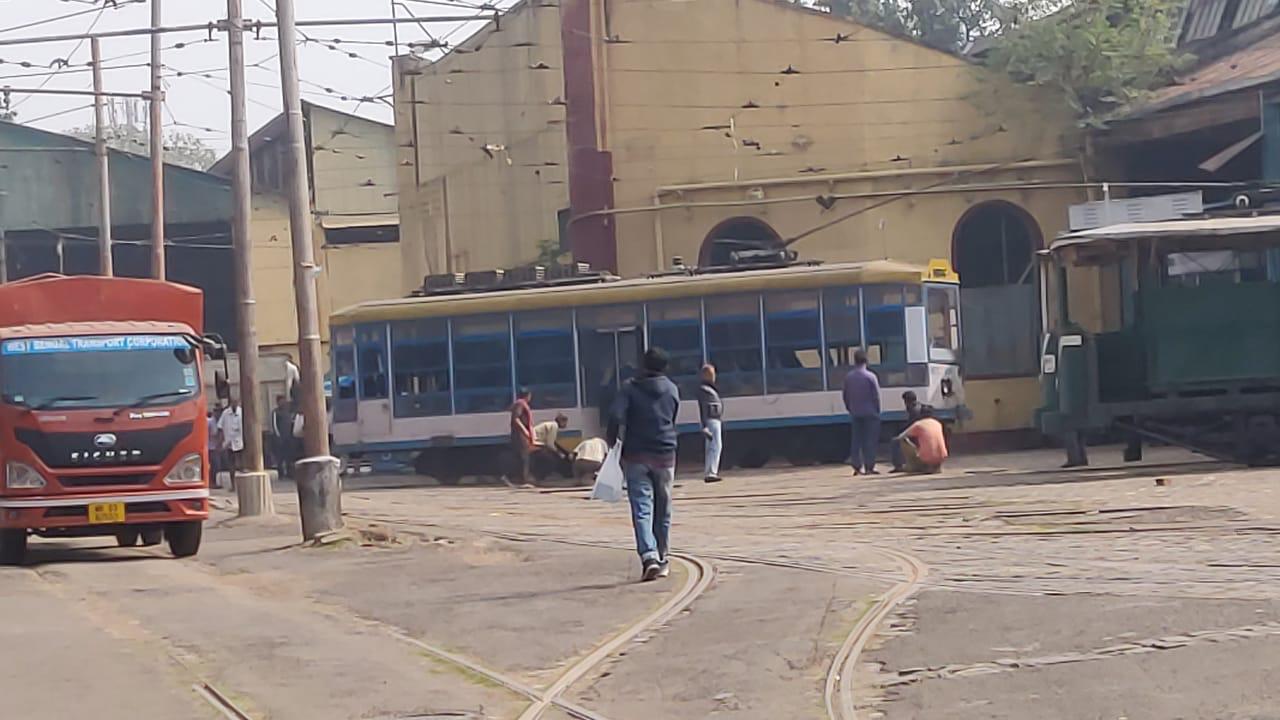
(862, 400)
(644, 415)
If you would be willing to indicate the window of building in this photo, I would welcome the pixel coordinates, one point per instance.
(994, 248)
(733, 343)
(793, 342)
(545, 362)
(842, 319)
(362, 235)
(420, 357)
(676, 326)
(482, 364)
(371, 348)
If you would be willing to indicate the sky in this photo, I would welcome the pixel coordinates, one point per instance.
(195, 73)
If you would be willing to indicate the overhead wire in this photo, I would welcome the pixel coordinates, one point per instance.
(43, 83)
(114, 4)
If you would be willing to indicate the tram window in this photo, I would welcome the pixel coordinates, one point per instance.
(420, 358)
(344, 375)
(842, 318)
(885, 317)
(944, 323)
(610, 341)
(793, 342)
(481, 364)
(544, 357)
(733, 343)
(1215, 267)
(676, 326)
(371, 346)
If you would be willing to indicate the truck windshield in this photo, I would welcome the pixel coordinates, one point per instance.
(98, 371)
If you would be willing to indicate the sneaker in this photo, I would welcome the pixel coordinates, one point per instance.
(652, 568)
(712, 479)
(872, 472)
(664, 569)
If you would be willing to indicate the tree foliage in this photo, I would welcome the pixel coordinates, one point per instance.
(180, 148)
(1100, 54)
(951, 25)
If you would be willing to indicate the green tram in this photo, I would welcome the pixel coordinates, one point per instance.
(1196, 361)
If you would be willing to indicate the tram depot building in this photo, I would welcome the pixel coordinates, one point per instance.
(686, 130)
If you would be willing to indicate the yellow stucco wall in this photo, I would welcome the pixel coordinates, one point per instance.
(353, 163)
(501, 89)
(728, 108)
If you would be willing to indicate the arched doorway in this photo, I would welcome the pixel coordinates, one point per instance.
(736, 235)
(993, 249)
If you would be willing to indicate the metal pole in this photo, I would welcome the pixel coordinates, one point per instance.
(105, 264)
(157, 151)
(319, 486)
(253, 485)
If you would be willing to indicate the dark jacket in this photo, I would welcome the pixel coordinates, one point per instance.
(710, 406)
(647, 407)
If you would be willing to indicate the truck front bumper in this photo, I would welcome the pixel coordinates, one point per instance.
(141, 508)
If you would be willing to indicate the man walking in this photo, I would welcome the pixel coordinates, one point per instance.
(282, 435)
(644, 417)
(862, 400)
(231, 427)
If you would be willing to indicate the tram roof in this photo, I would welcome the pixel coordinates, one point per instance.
(797, 277)
(1191, 228)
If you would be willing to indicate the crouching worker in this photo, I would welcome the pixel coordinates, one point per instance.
(923, 445)
(587, 460)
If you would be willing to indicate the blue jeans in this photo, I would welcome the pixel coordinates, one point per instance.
(715, 445)
(864, 442)
(649, 489)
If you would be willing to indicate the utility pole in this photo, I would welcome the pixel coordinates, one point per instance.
(157, 149)
(105, 264)
(319, 485)
(253, 485)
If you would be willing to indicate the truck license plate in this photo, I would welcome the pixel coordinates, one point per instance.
(106, 513)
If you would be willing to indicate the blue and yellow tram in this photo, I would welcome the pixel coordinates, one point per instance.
(432, 377)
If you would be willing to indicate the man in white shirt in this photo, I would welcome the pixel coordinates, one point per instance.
(231, 428)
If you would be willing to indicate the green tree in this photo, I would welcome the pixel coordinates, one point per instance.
(180, 148)
(951, 25)
(1100, 54)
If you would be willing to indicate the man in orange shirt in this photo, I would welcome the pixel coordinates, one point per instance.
(924, 445)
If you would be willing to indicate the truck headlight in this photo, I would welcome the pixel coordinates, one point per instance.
(21, 476)
(188, 471)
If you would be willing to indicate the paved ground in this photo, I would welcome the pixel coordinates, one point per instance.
(1000, 589)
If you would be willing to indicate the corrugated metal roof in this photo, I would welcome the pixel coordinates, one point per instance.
(1254, 64)
(1200, 227)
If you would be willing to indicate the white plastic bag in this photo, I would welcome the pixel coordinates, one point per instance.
(608, 485)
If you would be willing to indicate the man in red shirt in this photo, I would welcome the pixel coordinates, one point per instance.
(924, 444)
(522, 434)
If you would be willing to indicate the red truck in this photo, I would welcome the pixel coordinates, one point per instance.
(103, 427)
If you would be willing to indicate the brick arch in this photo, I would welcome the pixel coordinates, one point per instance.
(990, 231)
(746, 230)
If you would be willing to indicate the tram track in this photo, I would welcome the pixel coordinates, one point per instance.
(838, 692)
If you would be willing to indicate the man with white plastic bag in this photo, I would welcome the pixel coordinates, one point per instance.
(644, 419)
(609, 479)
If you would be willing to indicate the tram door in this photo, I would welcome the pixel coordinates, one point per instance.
(610, 357)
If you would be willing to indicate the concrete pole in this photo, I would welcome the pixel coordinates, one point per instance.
(157, 150)
(319, 484)
(253, 485)
(105, 264)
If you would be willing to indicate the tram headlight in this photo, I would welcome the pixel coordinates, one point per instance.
(947, 388)
(21, 476)
(188, 471)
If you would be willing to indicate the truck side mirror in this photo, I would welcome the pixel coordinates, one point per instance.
(214, 347)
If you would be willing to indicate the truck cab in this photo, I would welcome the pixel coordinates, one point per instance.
(103, 424)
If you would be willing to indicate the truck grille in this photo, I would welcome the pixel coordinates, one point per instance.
(80, 481)
(84, 449)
